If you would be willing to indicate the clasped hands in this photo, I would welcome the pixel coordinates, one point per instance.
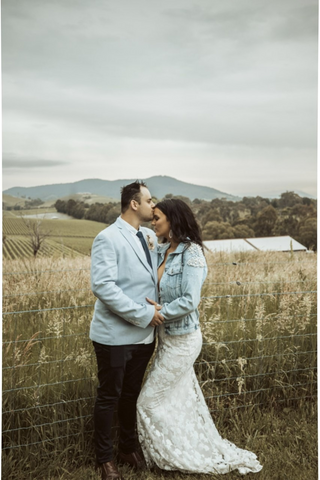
(158, 319)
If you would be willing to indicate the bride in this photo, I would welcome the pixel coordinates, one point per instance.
(175, 427)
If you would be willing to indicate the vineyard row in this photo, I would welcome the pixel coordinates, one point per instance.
(18, 248)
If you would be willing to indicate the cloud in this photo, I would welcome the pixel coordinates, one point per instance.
(12, 161)
(91, 82)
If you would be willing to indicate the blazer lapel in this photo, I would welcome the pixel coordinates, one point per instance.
(153, 255)
(140, 253)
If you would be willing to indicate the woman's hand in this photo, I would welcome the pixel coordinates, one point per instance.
(153, 302)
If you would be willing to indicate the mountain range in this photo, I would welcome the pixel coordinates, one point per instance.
(110, 190)
(159, 186)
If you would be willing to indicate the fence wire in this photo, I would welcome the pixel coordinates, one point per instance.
(259, 347)
(216, 264)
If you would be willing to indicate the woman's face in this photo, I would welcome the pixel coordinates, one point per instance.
(160, 223)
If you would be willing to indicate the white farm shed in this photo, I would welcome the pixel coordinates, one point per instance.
(275, 244)
(232, 245)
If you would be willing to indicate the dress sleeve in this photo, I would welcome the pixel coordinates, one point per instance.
(193, 275)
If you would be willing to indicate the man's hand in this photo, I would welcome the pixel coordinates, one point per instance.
(157, 317)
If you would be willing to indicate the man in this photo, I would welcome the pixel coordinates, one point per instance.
(123, 274)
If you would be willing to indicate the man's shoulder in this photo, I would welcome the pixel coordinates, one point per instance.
(108, 231)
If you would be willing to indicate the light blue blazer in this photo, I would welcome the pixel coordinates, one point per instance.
(121, 279)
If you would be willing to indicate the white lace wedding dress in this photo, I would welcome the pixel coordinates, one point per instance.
(175, 428)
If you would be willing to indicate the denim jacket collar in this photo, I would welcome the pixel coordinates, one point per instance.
(162, 248)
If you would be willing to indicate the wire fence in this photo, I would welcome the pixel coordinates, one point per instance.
(259, 346)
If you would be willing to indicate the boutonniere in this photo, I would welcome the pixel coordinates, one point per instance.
(150, 242)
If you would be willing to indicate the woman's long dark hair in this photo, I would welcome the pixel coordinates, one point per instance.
(182, 220)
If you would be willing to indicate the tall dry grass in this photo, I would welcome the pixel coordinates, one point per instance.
(259, 325)
(259, 351)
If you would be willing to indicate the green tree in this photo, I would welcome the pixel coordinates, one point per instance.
(113, 213)
(61, 206)
(36, 202)
(218, 230)
(308, 233)
(287, 225)
(78, 210)
(289, 199)
(71, 204)
(243, 231)
(306, 201)
(211, 216)
(265, 222)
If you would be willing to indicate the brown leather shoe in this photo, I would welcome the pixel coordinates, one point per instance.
(109, 471)
(133, 459)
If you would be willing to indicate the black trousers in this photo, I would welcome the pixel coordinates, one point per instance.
(120, 372)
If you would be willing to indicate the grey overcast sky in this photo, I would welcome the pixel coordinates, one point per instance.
(217, 93)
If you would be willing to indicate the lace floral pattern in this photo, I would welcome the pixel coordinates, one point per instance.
(175, 427)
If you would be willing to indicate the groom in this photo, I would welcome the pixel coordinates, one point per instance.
(123, 274)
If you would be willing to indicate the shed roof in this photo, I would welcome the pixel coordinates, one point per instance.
(279, 244)
(232, 245)
(276, 244)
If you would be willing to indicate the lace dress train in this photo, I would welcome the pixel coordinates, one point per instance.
(175, 428)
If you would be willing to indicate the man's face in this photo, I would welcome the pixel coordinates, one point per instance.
(145, 208)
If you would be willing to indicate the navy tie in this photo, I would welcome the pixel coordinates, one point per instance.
(145, 248)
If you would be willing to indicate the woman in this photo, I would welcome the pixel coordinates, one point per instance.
(175, 427)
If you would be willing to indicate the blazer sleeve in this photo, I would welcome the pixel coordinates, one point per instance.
(193, 275)
(104, 276)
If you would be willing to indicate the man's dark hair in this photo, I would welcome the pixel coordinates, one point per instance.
(131, 192)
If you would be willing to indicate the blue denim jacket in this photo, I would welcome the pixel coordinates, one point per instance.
(180, 287)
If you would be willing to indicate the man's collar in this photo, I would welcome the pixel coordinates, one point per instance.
(127, 225)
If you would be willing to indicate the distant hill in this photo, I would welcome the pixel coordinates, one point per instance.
(275, 194)
(10, 200)
(159, 186)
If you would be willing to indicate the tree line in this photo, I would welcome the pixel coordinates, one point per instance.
(223, 219)
(30, 203)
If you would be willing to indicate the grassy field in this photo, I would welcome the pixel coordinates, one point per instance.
(72, 228)
(257, 368)
(91, 198)
(66, 238)
(10, 201)
(284, 441)
(31, 211)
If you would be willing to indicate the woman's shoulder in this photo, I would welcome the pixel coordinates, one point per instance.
(194, 255)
